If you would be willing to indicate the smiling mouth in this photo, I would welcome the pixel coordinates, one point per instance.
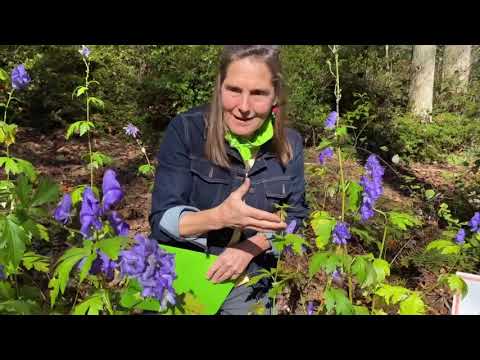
(243, 119)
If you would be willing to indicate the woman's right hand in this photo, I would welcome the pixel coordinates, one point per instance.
(235, 213)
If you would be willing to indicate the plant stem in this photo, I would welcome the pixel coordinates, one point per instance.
(384, 232)
(10, 95)
(342, 181)
(144, 152)
(88, 119)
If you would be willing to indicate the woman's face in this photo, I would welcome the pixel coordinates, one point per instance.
(247, 96)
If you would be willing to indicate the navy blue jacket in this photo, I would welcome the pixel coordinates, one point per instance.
(184, 177)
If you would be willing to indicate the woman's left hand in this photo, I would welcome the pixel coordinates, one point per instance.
(231, 263)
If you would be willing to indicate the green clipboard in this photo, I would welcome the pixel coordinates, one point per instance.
(191, 268)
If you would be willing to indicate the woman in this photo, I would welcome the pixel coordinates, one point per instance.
(222, 167)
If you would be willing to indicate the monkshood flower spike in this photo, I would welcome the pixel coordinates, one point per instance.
(152, 267)
(20, 77)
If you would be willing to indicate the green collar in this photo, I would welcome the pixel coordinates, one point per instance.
(249, 147)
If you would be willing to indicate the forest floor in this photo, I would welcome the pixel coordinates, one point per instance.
(61, 160)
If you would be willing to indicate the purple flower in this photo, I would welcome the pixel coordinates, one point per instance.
(291, 227)
(84, 51)
(152, 267)
(372, 186)
(326, 153)
(89, 213)
(2, 274)
(62, 212)
(310, 308)
(112, 192)
(107, 265)
(121, 227)
(101, 264)
(460, 238)
(475, 222)
(341, 234)
(331, 120)
(131, 130)
(20, 77)
(336, 276)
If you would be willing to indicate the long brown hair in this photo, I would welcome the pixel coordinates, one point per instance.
(215, 147)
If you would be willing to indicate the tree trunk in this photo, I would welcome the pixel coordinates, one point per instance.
(456, 67)
(421, 81)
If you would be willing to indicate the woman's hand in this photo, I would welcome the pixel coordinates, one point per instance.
(233, 261)
(235, 213)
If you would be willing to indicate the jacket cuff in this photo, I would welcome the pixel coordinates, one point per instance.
(170, 222)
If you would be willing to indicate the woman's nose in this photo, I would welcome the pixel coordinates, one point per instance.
(244, 106)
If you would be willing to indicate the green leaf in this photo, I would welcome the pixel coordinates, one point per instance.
(360, 310)
(317, 262)
(402, 221)
(38, 262)
(65, 264)
(79, 91)
(6, 291)
(296, 242)
(382, 269)
(79, 127)
(47, 192)
(27, 168)
(98, 160)
(412, 305)
(72, 129)
(10, 165)
(112, 246)
(85, 126)
(354, 191)
(255, 279)
(20, 307)
(341, 131)
(23, 190)
(444, 246)
(324, 144)
(15, 237)
(338, 300)
(146, 169)
(96, 102)
(3, 75)
(392, 294)
(92, 305)
(364, 235)
(455, 283)
(87, 265)
(333, 262)
(7, 133)
(132, 298)
(429, 194)
(43, 232)
(322, 224)
(77, 194)
(364, 271)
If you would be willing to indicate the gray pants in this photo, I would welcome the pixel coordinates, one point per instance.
(242, 299)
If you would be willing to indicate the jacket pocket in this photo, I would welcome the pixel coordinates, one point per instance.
(210, 184)
(277, 191)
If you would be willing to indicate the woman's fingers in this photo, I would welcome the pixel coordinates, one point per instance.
(225, 276)
(213, 269)
(262, 215)
(266, 225)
